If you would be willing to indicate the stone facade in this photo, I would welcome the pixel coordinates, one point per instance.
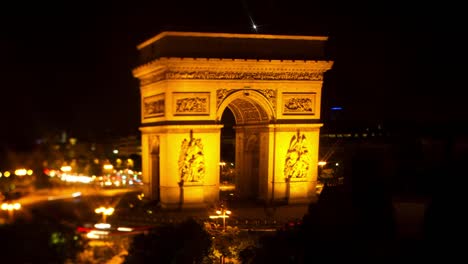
(276, 104)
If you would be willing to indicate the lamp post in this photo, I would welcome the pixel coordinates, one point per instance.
(321, 164)
(11, 208)
(105, 211)
(223, 213)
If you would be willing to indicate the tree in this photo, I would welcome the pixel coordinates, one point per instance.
(232, 245)
(186, 242)
(29, 242)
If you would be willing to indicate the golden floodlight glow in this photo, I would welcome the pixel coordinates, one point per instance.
(20, 172)
(104, 210)
(66, 168)
(11, 206)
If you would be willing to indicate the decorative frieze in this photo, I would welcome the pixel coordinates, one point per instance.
(229, 69)
(152, 78)
(241, 75)
(202, 74)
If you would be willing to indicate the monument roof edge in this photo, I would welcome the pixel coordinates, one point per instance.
(227, 35)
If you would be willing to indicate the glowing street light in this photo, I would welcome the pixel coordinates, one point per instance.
(11, 207)
(223, 213)
(105, 211)
(21, 172)
(322, 163)
(108, 166)
(66, 168)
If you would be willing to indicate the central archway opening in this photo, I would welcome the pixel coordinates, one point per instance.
(242, 178)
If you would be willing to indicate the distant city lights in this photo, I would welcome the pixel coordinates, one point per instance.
(124, 229)
(20, 172)
(102, 226)
(108, 167)
(66, 168)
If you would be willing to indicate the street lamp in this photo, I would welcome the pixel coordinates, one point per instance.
(108, 166)
(105, 211)
(11, 207)
(322, 163)
(223, 213)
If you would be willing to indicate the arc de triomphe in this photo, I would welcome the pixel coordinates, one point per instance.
(271, 83)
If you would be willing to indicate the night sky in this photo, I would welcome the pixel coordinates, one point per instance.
(67, 66)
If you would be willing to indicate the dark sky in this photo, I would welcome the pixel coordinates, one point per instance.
(67, 66)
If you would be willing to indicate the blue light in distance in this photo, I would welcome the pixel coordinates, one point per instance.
(337, 108)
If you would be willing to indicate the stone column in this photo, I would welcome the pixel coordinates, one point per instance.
(293, 174)
(189, 165)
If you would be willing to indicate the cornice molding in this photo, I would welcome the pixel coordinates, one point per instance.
(230, 69)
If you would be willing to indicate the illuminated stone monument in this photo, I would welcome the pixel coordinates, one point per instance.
(271, 83)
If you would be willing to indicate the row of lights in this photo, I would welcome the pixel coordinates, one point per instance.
(18, 172)
(11, 208)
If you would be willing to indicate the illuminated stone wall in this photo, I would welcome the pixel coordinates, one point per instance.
(276, 104)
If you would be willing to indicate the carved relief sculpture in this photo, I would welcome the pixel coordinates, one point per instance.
(194, 104)
(270, 94)
(298, 103)
(191, 161)
(191, 103)
(297, 161)
(153, 106)
(220, 95)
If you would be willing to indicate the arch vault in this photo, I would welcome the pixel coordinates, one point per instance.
(271, 83)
